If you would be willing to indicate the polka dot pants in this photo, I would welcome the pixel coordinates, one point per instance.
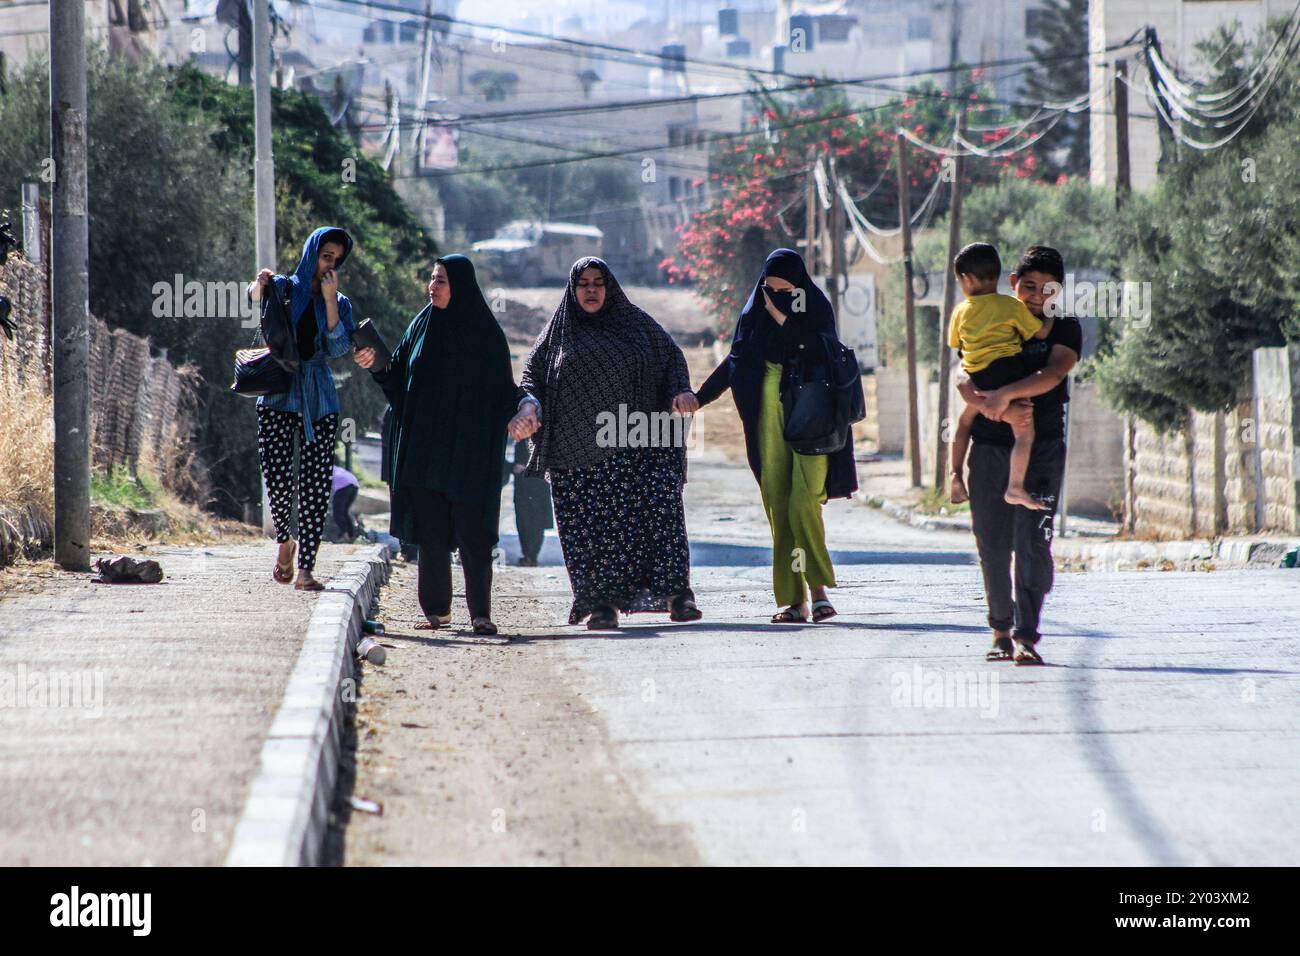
(276, 432)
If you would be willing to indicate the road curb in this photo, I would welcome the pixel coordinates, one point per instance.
(286, 814)
(1100, 554)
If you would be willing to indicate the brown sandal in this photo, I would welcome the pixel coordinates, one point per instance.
(311, 584)
(283, 573)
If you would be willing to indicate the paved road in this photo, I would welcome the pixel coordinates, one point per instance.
(1164, 731)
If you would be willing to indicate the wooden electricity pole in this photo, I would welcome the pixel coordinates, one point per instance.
(70, 285)
(949, 298)
(1122, 188)
(909, 310)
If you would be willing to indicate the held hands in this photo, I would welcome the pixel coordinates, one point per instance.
(524, 424)
(686, 404)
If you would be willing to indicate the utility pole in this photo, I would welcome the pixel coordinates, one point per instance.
(263, 167)
(838, 269)
(909, 309)
(1122, 181)
(810, 217)
(1122, 188)
(949, 298)
(70, 285)
(247, 37)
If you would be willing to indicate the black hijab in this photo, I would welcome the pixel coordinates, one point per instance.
(585, 364)
(743, 369)
(453, 392)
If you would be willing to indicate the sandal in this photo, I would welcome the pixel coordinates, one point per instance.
(603, 619)
(684, 609)
(283, 573)
(484, 626)
(432, 624)
(821, 610)
(790, 615)
(1026, 655)
(1002, 650)
(311, 584)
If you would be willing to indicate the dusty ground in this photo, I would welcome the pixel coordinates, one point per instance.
(482, 752)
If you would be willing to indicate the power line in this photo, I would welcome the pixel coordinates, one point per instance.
(805, 82)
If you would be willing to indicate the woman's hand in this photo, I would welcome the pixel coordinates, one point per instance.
(329, 284)
(525, 423)
(686, 404)
(364, 357)
(777, 315)
(261, 282)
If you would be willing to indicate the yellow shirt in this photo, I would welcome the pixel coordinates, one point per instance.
(990, 327)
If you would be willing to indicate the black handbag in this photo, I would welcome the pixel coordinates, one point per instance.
(822, 399)
(270, 370)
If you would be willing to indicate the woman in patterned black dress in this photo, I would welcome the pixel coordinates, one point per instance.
(614, 388)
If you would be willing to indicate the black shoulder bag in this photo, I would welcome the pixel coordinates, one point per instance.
(270, 370)
(822, 399)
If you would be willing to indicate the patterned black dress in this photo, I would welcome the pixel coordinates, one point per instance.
(618, 506)
(623, 531)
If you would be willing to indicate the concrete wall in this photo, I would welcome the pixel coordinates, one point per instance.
(1095, 472)
(1232, 472)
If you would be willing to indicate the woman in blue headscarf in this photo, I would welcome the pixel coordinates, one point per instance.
(309, 410)
(786, 315)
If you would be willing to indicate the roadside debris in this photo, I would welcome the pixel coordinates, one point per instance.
(124, 570)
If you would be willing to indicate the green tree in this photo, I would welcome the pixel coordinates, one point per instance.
(1058, 41)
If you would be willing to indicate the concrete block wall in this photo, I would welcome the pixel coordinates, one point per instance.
(1230, 472)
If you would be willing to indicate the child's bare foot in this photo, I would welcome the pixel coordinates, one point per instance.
(1018, 496)
(957, 492)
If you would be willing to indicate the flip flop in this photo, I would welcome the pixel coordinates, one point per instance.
(427, 625)
(1026, 655)
(821, 610)
(1002, 650)
(283, 573)
(789, 615)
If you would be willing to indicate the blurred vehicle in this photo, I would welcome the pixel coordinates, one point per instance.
(529, 253)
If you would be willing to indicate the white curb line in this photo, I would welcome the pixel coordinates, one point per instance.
(287, 812)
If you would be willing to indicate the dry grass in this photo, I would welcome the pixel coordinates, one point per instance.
(26, 454)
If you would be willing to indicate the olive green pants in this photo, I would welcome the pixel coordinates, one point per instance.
(794, 490)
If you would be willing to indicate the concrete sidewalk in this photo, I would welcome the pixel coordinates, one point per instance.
(168, 692)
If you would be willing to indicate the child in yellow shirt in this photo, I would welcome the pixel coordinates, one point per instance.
(990, 330)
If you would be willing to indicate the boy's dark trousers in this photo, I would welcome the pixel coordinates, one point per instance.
(1002, 530)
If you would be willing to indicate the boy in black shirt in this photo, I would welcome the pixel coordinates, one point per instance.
(1002, 529)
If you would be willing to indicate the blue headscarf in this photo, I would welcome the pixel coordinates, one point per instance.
(305, 273)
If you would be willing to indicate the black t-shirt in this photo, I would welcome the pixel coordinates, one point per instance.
(1049, 408)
